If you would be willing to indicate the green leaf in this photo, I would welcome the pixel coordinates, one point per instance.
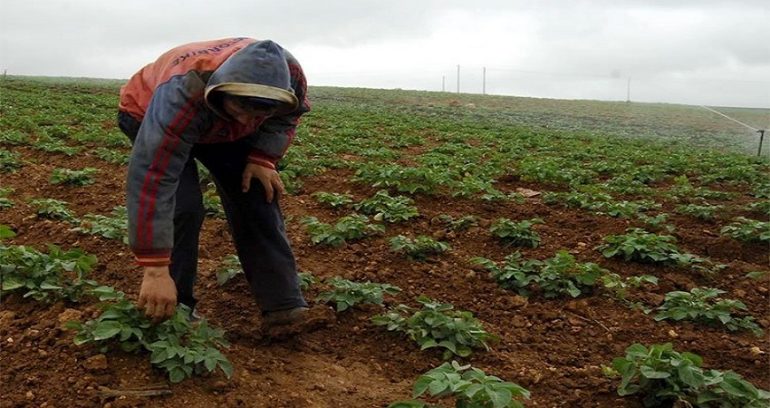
(11, 283)
(106, 330)
(690, 375)
(176, 375)
(651, 373)
(226, 367)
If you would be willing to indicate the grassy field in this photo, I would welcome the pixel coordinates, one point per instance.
(574, 253)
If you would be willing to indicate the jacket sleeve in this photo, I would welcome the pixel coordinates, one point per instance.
(270, 141)
(172, 124)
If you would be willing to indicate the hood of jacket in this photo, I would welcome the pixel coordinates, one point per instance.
(258, 70)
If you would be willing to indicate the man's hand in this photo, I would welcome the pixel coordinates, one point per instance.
(268, 177)
(158, 293)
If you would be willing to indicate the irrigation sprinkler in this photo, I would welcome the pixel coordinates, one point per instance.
(761, 139)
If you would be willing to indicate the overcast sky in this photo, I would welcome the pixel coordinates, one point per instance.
(682, 51)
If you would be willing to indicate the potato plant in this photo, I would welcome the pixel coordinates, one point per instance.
(230, 267)
(9, 161)
(45, 276)
(5, 202)
(701, 212)
(386, 208)
(437, 325)
(404, 179)
(56, 146)
(554, 277)
(619, 287)
(345, 294)
(333, 200)
(516, 233)
(53, 209)
(349, 228)
(469, 386)
(762, 207)
(748, 230)
(662, 376)
(419, 248)
(458, 224)
(81, 177)
(212, 203)
(111, 155)
(703, 305)
(180, 347)
(113, 227)
(642, 246)
(13, 138)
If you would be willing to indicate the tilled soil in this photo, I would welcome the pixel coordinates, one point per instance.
(553, 347)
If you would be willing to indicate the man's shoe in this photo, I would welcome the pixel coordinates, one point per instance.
(195, 316)
(284, 317)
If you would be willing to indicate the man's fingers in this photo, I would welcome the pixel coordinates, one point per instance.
(170, 309)
(142, 301)
(149, 309)
(278, 183)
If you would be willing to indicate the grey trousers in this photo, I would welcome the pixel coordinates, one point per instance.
(257, 226)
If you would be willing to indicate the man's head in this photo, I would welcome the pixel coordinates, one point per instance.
(252, 82)
(243, 109)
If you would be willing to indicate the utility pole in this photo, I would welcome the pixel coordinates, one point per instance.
(443, 83)
(484, 81)
(628, 91)
(458, 78)
(761, 139)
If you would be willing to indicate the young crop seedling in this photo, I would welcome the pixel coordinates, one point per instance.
(56, 146)
(748, 230)
(419, 248)
(52, 276)
(459, 224)
(664, 377)
(231, 266)
(703, 305)
(306, 280)
(111, 155)
(642, 246)
(554, 277)
(212, 203)
(701, 212)
(516, 233)
(73, 177)
(13, 138)
(6, 232)
(346, 294)
(9, 161)
(333, 200)
(114, 227)
(618, 287)
(469, 386)
(5, 202)
(184, 349)
(405, 179)
(386, 208)
(683, 190)
(437, 325)
(346, 229)
(53, 209)
(180, 347)
(762, 207)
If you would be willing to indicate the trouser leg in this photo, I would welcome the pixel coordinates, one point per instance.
(258, 230)
(188, 219)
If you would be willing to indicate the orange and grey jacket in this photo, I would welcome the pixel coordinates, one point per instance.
(168, 98)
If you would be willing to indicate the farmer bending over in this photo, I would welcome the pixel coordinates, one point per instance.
(234, 105)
